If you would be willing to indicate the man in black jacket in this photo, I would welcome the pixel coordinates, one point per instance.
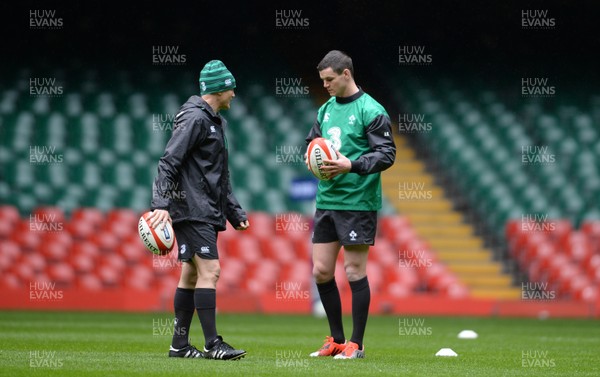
(193, 191)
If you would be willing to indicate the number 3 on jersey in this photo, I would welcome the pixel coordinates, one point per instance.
(335, 134)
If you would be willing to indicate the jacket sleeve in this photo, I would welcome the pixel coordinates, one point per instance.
(185, 136)
(314, 132)
(234, 212)
(383, 149)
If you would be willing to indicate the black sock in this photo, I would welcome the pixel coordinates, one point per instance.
(330, 297)
(184, 312)
(205, 300)
(361, 298)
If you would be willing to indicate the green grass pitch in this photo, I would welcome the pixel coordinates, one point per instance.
(118, 344)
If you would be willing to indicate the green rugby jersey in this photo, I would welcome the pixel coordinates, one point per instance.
(360, 129)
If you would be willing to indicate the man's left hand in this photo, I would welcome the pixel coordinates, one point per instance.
(334, 168)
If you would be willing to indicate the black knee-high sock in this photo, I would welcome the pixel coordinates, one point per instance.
(330, 297)
(205, 300)
(361, 298)
(184, 312)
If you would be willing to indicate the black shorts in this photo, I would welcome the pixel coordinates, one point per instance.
(194, 237)
(348, 227)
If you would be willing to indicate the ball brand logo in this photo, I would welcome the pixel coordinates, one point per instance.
(166, 233)
(145, 235)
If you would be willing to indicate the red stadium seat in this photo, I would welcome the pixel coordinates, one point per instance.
(81, 230)
(86, 248)
(82, 263)
(62, 274)
(6, 229)
(36, 261)
(244, 247)
(10, 249)
(27, 239)
(577, 246)
(9, 214)
(91, 216)
(106, 242)
(10, 281)
(125, 217)
(391, 225)
(560, 228)
(89, 282)
(132, 250)
(109, 277)
(278, 248)
(262, 225)
(56, 246)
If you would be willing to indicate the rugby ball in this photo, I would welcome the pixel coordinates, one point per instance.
(320, 149)
(159, 240)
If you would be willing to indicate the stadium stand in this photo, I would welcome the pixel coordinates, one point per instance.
(77, 172)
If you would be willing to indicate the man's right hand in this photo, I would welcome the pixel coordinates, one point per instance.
(159, 216)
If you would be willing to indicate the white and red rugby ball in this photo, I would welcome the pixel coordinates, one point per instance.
(159, 240)
(318, 150)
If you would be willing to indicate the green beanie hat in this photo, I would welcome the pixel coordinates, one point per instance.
(215, 78)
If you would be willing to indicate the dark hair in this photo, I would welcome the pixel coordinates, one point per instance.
(338, 61)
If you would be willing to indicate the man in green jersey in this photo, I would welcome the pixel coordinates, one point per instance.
(347, 204)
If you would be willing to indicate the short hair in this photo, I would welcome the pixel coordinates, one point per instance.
(338, 61)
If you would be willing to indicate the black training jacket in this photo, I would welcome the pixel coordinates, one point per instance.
(193, 177)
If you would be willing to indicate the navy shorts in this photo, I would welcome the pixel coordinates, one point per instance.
(347, 227)
(194, 237)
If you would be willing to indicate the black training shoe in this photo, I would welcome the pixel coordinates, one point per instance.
(187, 351)
(219, 350)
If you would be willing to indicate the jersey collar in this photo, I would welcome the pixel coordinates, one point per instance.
(355, 96)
